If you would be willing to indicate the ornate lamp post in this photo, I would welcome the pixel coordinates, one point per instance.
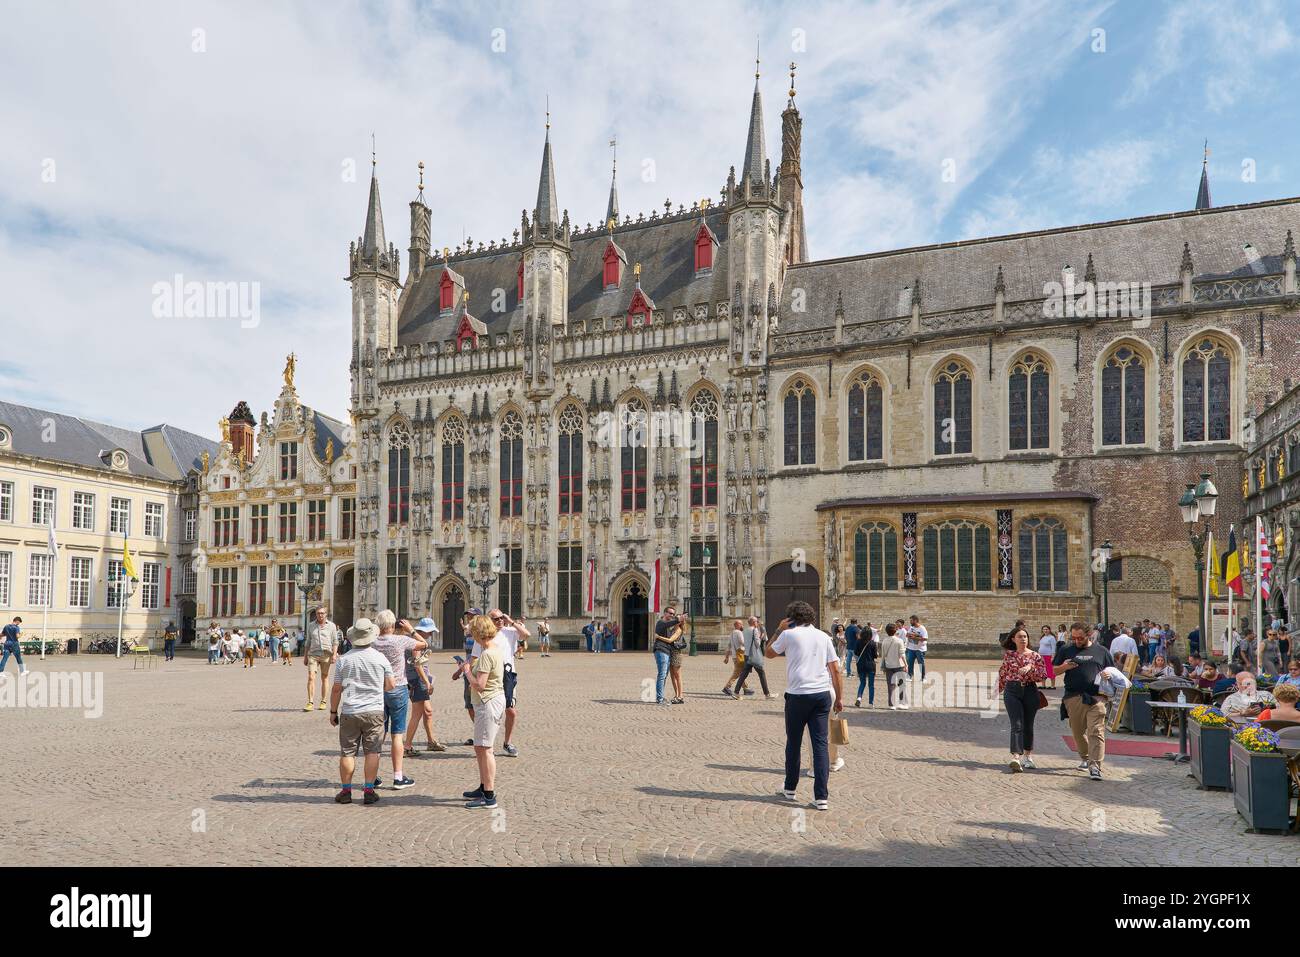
(1107, 550)
(306, 578)
(125, 589)
(1198, 504)
(487, 579)
(691, 600)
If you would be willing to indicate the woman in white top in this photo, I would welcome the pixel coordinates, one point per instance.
(1047, 650)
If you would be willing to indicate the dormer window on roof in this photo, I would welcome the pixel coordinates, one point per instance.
(705, 242)
(450, 287)
(615, 259)
(640, 311)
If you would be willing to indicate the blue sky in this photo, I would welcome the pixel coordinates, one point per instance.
(231, 143)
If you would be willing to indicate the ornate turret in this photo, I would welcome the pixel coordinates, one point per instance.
(1203, 191)
(547, 253)
(791, 179)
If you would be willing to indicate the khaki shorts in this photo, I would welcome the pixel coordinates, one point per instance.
(487, 721)
(321, 664)
(364, 732)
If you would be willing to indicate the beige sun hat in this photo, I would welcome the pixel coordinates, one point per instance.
(362, 633)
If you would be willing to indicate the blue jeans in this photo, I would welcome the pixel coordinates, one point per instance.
(912, 658)
(169, 649)
(867, 672)
(396, 705)
(275, 649)
(850, 650)
(214, 655)
(15, 649)
(589, 642)
(661, 674)
(811, 711)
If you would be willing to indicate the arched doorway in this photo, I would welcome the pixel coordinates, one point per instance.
(635, 623)
(782, 585)
(341, 613)
(186, 623)
(453, 608)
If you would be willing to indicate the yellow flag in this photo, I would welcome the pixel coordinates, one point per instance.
(128, 566)
(1213, 565)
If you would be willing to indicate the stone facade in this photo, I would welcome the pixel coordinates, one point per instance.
(976, 396)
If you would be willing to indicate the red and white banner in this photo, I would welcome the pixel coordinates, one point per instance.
(654, 587)
(591, 585)
(1265, 565)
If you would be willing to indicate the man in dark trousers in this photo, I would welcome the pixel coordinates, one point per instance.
(1080, 661)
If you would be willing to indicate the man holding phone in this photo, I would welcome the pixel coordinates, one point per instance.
(1081, 661)
(510, 633)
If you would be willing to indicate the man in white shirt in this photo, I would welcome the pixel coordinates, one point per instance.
(1121, 647)
(917, 637)
(362, 677)
(509, 633)
(812, 674)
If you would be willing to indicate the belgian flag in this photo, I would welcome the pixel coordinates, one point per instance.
(1230, 562)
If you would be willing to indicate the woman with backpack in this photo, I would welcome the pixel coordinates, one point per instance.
(867, 651)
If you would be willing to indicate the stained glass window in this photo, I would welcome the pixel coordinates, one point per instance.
(1028, 403)
(512, 465)
(704, 449)
(453, 469)
(799, 410)
(866, 418)
(952, 410)
(875, 557)
(958, 556)
(570, 460)
(1207, 392)
(1044, 555)
(632, 456)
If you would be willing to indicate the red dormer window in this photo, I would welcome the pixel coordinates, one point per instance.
(465, 331)
(703, 249)
(446, 292)
(521, 279)
(640, 311)
(613, 267)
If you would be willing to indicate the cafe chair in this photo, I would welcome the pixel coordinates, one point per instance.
(1281, 724)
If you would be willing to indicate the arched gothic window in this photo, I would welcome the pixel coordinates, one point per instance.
(1124, 398)
(800, 414)
(704, 449)
(875, 557)
(399, 474)
(569, 456)
(1044, 555)
(952, 409)
(866, 418)
(635, 433)
(512, 465)
(1207, 392)
(1028, 403)
(453, 469)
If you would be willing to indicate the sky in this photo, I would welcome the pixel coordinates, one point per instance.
(231, 144)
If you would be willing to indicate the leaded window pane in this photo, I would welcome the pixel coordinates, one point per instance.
(857, 424)
(1040, 416)
(1193, 399)
(1135, 403)
(1018, 409)
(875, 422)
(1112, 408)
(790, 413)
(1219, 399)
(983, 559)
(962, 408)
(930, 558)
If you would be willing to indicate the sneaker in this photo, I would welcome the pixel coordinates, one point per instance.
(1094, 771)
(857, 703)
(511, 750)
(469, 741)
(25, 671)
(1014, 764)
(728, 692)
(1028, 763)
(663, 701)
(893, 707)
(482, 802)
(378, 781)
(788, 795)
(370, 798)
(839, 763)
(402, 783)
(309, 707)
(476, 793)
(343, 797)
(679, 701)
(821, 805)
(771, 697)
(437, 746)
(1081, 766)
(749, 692)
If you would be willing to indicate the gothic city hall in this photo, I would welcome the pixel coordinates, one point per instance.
(685, 406)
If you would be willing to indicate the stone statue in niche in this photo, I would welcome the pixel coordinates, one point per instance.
(731, 417)
(731, 498)
(661, 499)
(732, 591)
(746, 421)
(762, 496)
(746, 498)
(672, 503)
(749, 580)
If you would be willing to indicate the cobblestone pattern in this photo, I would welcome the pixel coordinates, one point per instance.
(602, 778)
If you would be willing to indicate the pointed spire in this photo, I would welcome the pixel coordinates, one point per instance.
(1288, 248)
(372, 240)
(1186, 264)
(548, 209)
(1203, 193)
(999, 284)
(611, 209)
(755, 151)
(1090, 271)
(592, 402)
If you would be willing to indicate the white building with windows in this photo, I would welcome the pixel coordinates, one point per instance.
(270, 513)
(100, 486)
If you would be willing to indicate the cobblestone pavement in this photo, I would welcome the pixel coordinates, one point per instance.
(199, 764)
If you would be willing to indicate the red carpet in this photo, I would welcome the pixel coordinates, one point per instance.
(1157, 748)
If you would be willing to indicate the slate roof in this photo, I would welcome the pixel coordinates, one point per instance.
(326, 429)
(161, 452)
(1230, 241)
(664, 248)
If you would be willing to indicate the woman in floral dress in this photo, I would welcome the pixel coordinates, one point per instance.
(1018, 679)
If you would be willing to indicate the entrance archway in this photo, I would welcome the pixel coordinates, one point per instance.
(188, 631)
(453, 608)
(341, 613)
(635, 620)
(782, 585)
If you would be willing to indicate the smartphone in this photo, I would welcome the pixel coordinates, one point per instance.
(458, 659)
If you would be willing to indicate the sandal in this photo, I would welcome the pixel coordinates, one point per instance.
(409, 753)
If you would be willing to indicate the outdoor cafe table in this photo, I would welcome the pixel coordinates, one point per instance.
(1182, 709)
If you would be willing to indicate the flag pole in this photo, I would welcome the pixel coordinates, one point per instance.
(1259, 593)
(121, 607)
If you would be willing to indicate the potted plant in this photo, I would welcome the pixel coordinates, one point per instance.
(1208, 736)
(1260, 783)
(1139, 709)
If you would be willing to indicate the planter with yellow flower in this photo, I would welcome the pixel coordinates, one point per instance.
(1208, 734)
(1260, 784)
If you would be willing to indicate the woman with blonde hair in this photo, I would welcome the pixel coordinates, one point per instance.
(486, 678)
(1286, 696)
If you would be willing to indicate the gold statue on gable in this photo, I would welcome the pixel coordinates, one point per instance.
(224, 423)
(290, 366)
(329, 450)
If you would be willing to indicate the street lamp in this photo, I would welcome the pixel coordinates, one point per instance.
(125, 589)
(1107, 550)
(306, 578)
(691, 600)
(487, 579)
(1198, 504)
